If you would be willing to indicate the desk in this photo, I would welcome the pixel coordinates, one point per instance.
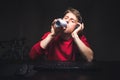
(101, 71)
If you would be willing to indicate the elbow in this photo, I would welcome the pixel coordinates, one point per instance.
(91, 57)
(31, 56)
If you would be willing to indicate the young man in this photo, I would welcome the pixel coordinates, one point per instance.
(64, 43)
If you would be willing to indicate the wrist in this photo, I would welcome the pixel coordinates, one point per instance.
(51, 35)
(74, 36)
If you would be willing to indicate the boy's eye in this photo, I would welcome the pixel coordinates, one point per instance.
(72, 21)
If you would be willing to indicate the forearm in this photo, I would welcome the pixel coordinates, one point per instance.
(44, 43)
(85, 50)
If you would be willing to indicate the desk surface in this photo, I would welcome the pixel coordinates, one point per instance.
(100, 71)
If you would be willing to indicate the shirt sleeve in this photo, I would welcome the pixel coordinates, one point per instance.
(36, 49)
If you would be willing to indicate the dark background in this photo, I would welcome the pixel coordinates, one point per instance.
(27, 20)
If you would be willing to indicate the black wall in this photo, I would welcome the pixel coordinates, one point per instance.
(29, 19)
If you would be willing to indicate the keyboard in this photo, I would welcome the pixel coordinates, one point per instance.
(65, 65)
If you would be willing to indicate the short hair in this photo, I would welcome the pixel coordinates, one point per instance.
(75, 12)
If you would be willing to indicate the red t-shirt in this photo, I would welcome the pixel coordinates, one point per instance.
(58, 49)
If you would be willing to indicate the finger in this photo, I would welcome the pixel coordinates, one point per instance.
(82, 26)
(54, 22)
(52, 29)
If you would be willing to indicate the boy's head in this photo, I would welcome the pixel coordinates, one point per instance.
(72, 17)
(75, 12)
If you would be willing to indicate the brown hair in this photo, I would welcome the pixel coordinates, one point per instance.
(75, 12)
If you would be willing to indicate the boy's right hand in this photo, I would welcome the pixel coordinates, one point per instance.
(56, 30)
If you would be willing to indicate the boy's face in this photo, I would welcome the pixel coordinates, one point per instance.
(72, 21)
